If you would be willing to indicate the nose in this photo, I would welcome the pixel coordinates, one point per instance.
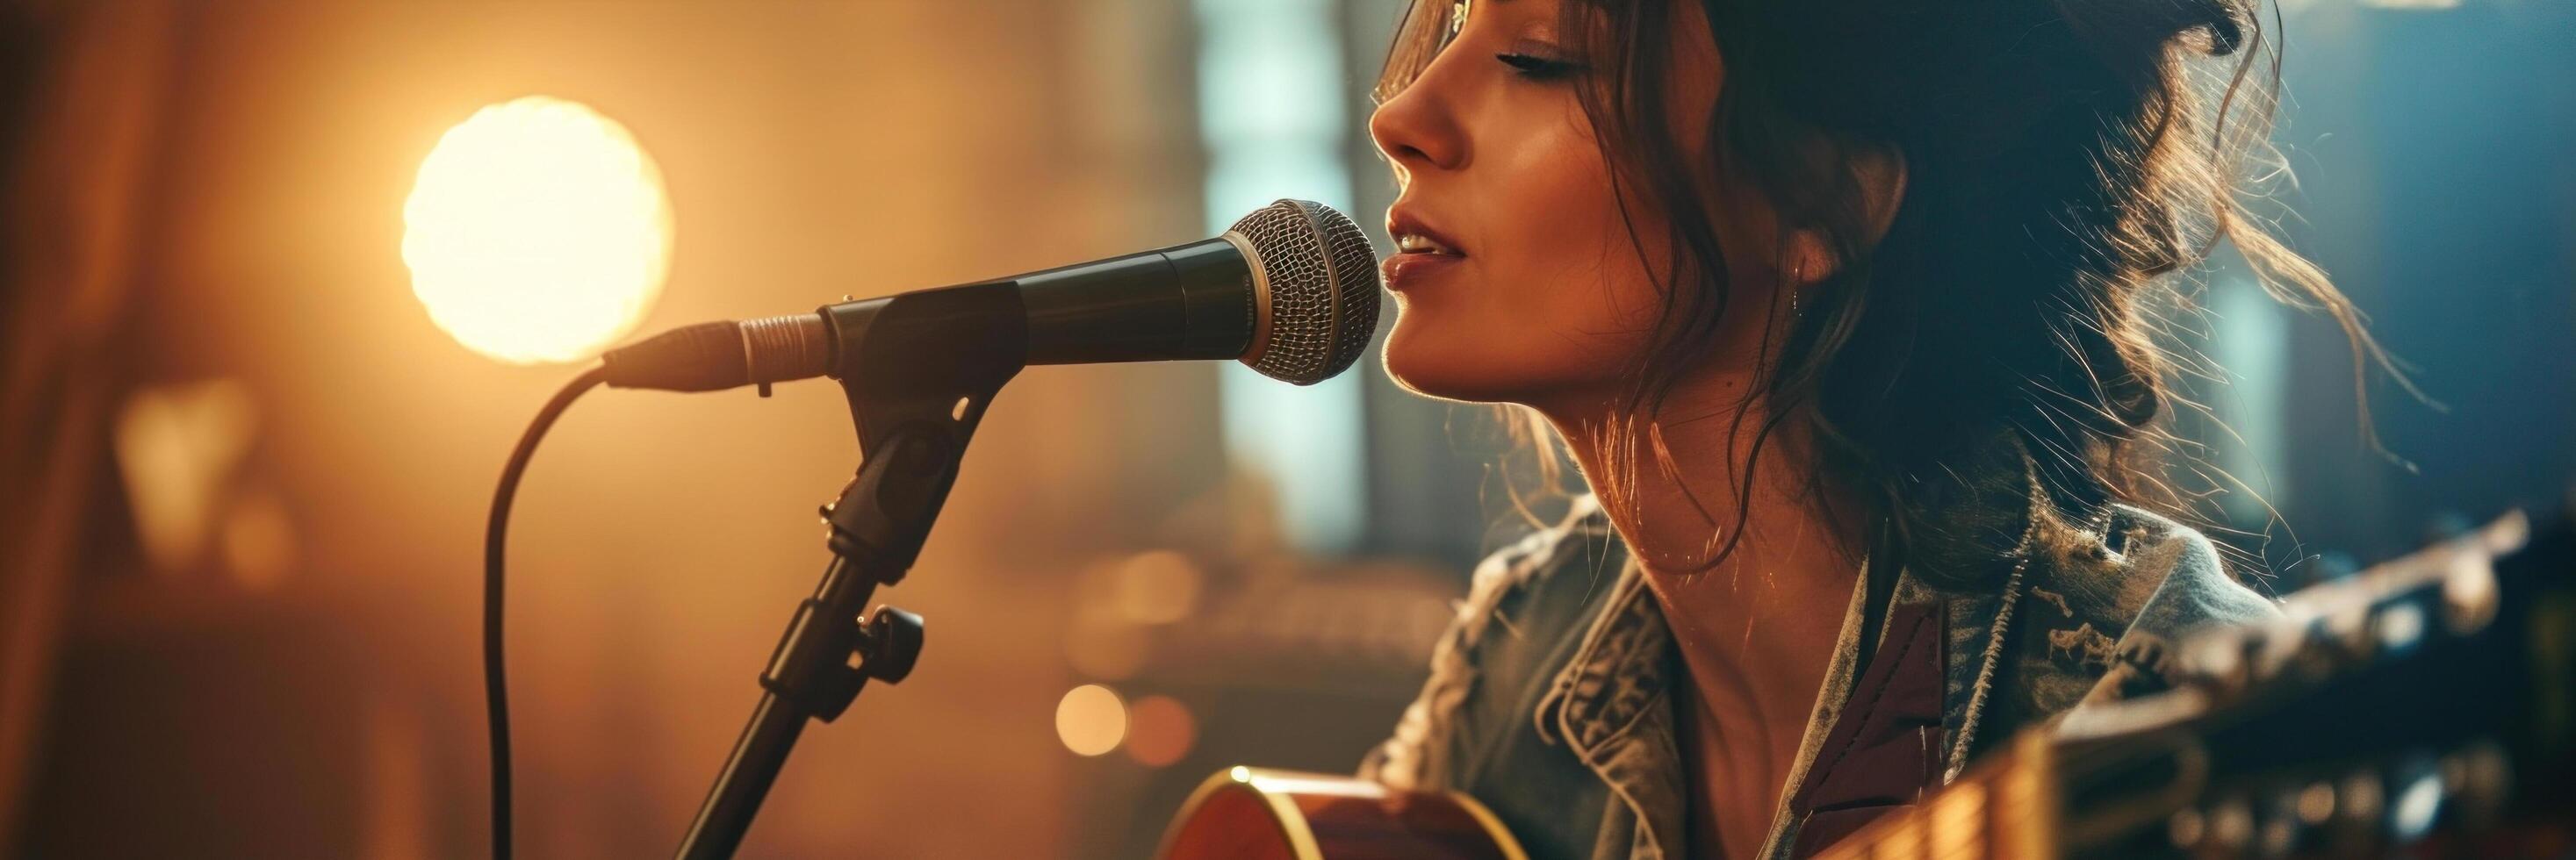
(1418, 128)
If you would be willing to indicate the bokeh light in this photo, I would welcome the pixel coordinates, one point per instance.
(1090, 719)
(1157, 587)
(178, 448)
(537, 231)
(1160, 731)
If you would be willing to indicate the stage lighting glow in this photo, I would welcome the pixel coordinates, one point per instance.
(1160, 731)
(537, 231)
(1090, 719)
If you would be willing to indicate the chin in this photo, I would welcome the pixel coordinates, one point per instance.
(1449, 364)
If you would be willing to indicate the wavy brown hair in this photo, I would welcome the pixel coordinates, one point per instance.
(2066, 160)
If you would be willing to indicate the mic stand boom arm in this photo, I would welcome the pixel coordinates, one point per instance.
(918, 369)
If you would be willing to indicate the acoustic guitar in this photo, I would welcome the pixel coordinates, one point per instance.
(1257, 814)
(2426, 706)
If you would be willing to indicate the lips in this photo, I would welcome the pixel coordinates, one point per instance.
(1421, 251)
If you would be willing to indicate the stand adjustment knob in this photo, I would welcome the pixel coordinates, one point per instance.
(892, 644)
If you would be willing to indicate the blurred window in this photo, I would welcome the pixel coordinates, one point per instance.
(1273, 118)
(2252, 344)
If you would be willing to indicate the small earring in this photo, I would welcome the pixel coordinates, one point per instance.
(1797, 287)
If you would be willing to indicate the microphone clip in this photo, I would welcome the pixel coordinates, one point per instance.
(918, 370)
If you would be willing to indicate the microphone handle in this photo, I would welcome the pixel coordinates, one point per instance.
(1195, 301)
(1202, 300)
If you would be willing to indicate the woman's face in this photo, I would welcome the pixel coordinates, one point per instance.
(1517, 277)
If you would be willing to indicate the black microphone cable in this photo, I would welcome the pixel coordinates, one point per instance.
(496, 685)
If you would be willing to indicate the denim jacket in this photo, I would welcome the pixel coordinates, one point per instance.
(1550, 696)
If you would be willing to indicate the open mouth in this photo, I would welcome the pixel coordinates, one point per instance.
(1420, 251)
(1417, 258)
(1419, 243)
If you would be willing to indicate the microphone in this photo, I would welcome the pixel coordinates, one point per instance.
(1291, 289)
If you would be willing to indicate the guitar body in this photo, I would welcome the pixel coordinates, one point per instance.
(1258, 814)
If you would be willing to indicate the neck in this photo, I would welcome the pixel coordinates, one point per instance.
(1678, 489)
(1756, 628)
(1684, 483)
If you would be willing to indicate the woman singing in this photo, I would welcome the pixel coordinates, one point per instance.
(1845, 310)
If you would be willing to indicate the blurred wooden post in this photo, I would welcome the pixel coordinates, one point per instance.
(88, 104)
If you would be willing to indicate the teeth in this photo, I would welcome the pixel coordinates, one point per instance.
(1414, 244)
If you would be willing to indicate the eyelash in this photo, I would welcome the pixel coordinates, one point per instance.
(1538, 68)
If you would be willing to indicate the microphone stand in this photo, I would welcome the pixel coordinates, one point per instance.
(918, 370)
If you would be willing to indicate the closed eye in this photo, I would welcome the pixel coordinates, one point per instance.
(1538, 68)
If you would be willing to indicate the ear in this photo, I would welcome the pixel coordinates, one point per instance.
(1879, 175)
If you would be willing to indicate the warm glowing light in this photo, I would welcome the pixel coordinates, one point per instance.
(537, 231)
(1160, 731)
(177, 448)
(1090, 720)
(1157, 587)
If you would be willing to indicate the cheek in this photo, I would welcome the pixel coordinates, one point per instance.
(1553, 298)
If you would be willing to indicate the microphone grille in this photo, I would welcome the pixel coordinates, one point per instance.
(1322, 293)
